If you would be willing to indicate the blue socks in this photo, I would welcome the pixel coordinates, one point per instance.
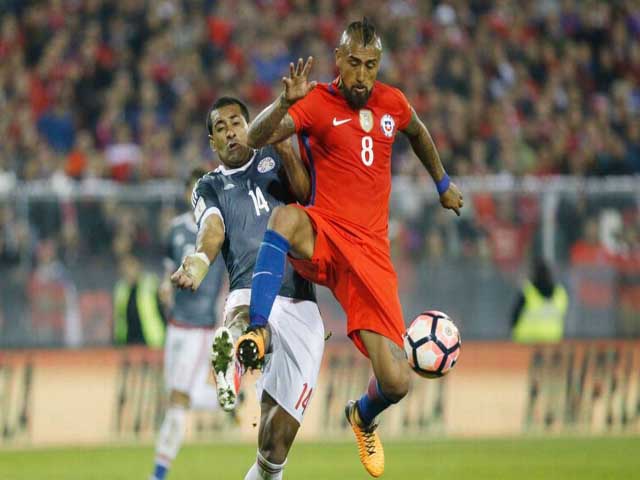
(160, 472)
(372, 403)
(267, 277)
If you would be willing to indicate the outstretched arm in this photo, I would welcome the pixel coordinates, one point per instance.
(423, 146)
(195, 266)
(273, 124)
(296, 171)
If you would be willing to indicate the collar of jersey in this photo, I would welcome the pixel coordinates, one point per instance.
(230, 171)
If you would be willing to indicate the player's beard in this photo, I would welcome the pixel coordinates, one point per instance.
(354, 99)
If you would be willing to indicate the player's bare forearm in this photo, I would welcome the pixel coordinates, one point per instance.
(271, 125)
(423, 146)
(210, 237)
(195, 266)
(297, 173)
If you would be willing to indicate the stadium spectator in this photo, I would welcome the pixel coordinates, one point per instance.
(138, 317)
(589, 249)
(508, 236)
(53, 300)
(17, 238)
(593, 278)
(541, 308)
(123, 156)
(56, 126)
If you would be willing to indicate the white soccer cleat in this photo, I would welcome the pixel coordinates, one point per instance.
(226, 369)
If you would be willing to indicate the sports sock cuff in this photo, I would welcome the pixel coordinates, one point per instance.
(274, 239)
(375, 392)
(373, 402)
(382, 395)
(269, 467)
(160, 471)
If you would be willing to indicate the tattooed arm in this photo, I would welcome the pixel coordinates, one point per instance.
(424, 148)
(271, 125)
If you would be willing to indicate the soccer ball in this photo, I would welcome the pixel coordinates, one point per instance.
(432, 343)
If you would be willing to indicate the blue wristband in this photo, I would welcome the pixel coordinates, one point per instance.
(443, 184)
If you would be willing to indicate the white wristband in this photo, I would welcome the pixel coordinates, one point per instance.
(203, 256)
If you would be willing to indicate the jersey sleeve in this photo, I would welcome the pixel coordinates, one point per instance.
(405, 113)
(303, 111)
(205, 201)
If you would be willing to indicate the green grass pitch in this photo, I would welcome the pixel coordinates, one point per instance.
(519, 459)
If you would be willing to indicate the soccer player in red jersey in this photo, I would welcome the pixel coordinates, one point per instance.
(346, 130)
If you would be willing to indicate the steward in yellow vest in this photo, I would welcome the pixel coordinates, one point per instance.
(541, 310)
(136, 310)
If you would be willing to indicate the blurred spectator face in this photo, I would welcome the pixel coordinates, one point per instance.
(46, 252)
(123, 134)
(122, 244)
(229, 136)
(130, 268)
(591, 231)
(358, 66)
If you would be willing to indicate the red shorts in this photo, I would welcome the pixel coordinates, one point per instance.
(357, 268)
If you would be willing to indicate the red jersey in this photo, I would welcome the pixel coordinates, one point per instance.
(349, 152)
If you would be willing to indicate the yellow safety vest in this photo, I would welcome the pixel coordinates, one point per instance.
(542, 318)
(153, 328)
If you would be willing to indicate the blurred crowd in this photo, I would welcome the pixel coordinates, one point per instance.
(119, 89)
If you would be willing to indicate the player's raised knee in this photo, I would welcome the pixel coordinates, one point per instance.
(284, 220)
(294, 225)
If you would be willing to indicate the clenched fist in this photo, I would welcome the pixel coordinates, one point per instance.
(192, 271)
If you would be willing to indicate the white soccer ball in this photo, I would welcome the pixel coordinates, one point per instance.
(432, 344)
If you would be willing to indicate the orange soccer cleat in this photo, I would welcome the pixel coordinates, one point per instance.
(369, 444)
(251, 348)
